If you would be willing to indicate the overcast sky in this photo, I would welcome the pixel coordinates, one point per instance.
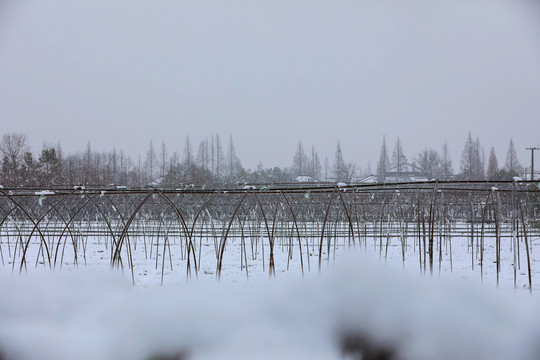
(119, 73)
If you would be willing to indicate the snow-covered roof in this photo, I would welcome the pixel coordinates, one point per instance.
(305, 178)
(371, 179)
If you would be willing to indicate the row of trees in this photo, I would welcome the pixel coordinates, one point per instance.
(310, 166)
(212, 165)
(433, 164)
(209, 165)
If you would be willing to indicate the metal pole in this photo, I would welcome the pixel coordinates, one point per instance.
(532, 160)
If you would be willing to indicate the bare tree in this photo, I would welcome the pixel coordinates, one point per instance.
(471, 162)
(140, 172)
(341, 170)
(12, 148)
(512, 163)
(480, 170)
(493, 165)
(29, 170)
(314, 164)
(48, 168)
(188, 153)
(384, 162)
(300, 161)
(60, 171)
(325, 169)
(113, 166)
(87, 171)
(202, 155)
(175, 161)
(150, 163)
(163, 160)
(368, 170)
(429, 162)
(125, 164)
(212, 154)
(219, 156)
(446, 163)
(350, 172)
(233, 163)
(69, 166)
(399, 160)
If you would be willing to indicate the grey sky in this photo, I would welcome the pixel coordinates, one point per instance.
(120, 73)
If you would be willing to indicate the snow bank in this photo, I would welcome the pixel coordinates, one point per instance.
(83, 315)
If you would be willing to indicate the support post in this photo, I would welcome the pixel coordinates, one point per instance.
(532, 160)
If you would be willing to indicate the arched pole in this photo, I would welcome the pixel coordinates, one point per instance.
(271, 269)
(330, 202)
(224, 239)
(297, 230)
(116, 257)
(35, 226)
(115, 243)
(8, 213)
(242, 226)
(195, 221)
(351, 227)
(186, 232)
(68, 223)
(105, 217)
(484, 212)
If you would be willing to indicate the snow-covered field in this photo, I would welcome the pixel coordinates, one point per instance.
(363, 299)
(164, 261)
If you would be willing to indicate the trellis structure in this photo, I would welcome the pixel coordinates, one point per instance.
(304, 216)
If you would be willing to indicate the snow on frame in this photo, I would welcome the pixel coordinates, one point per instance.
(99, 315)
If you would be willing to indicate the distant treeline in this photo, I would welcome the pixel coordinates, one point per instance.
(475, 164)
(212, 165)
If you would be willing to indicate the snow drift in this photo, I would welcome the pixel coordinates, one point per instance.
(360, 306)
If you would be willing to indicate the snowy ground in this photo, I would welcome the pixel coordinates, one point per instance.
(156, 262)
(361, 299)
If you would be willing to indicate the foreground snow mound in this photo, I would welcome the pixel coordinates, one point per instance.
(360, 307)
